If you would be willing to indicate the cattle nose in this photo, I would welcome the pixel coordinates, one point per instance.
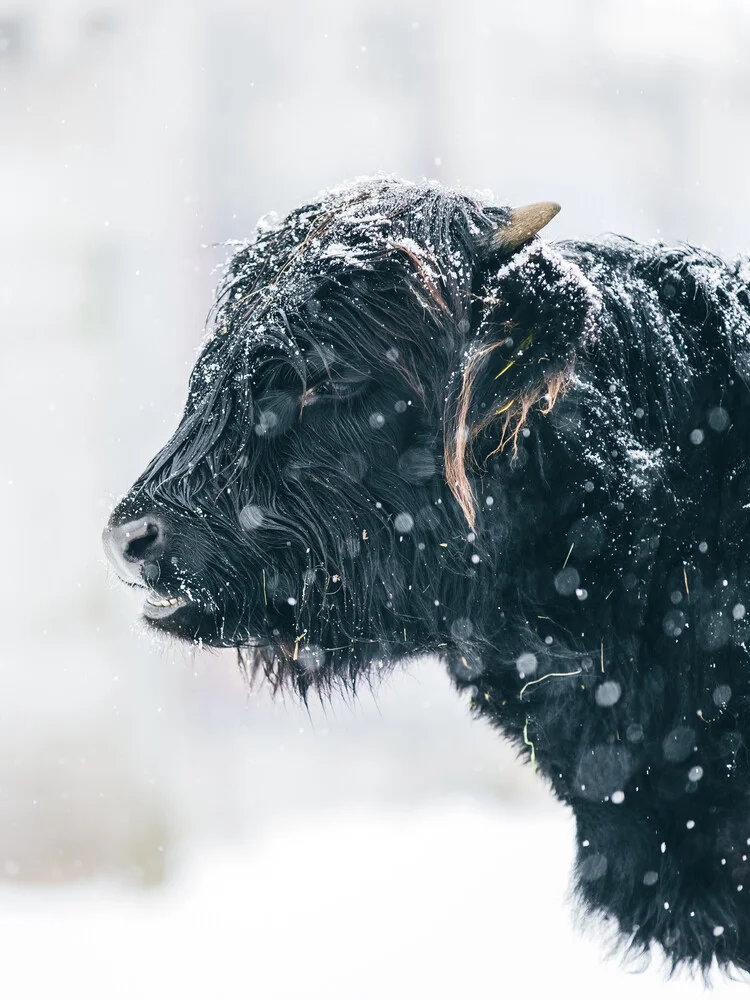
(135, 547)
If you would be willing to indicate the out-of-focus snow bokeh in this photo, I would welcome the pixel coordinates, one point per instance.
(162, 833)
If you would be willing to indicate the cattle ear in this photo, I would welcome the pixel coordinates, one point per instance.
(538, 311)
(502, 381)
(524, 224)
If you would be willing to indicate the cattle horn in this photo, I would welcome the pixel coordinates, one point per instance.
(524, 223)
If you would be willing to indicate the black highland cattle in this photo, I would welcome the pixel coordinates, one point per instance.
(416, 428)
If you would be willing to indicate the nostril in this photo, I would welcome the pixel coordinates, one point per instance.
(135, 547)
(139, 548)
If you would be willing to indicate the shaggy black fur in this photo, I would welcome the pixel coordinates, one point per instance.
(537, 466)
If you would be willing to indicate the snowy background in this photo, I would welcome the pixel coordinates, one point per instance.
(162, 833)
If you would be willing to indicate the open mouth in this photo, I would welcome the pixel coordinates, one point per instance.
(156, 607)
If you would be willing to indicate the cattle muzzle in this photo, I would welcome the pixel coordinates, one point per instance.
(136, 549)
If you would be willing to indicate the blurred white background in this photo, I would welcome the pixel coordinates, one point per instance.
(162, 832)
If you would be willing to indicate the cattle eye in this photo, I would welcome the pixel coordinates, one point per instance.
(339, 390)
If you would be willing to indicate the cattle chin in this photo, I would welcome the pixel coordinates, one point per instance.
(178, 617)
(196, 622)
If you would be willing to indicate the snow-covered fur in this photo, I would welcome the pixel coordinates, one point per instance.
(398, 441)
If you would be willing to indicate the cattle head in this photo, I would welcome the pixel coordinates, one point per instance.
(316, 506)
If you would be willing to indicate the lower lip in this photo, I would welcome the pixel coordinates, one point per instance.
(155, 611)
